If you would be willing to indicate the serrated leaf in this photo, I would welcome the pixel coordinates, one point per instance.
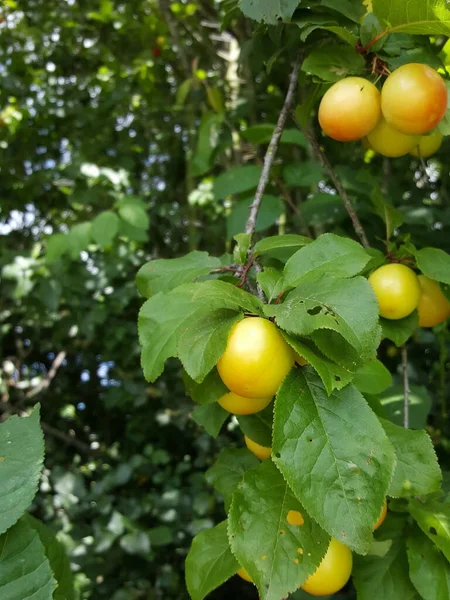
(165, 318)
(270, 210)
(236, 180)
(163, 275)
(348, 8)
(21, 458)
(370, 28)
(399, 331)
(209, 390)
(258, 427)
(344, 30)
(384, 208)
(385, 576)
(228, 471)
(211, 417)
(333, 62)
(433, 517)
(105, 227)
(347, 306)
(280, 247)
(209, 562)
(271, 281)
(434, 263)
(269, 11)
(417, 470)
(372, 378)
(57, 245)
(329, 253)
(278, 556)
(133, 211)
(303, 174)
(25, 572)
(262, 134)
(334, 455)
(333, 376)
(419, 405)
(429, 571)
(57, 557)
(417, 17)
(240, 251)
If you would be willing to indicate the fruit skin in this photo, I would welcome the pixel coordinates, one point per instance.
(238, 405)
(300, 360)
(256, 359)
(433, 306)
(350, 109)
(333, 572)
(382, 516)
(428, 145)
(397, 290)
(414, 98)
(261, 452)
(388, 141)
(244, 575)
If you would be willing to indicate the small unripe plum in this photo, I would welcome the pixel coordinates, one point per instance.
(350, 109)
(414, 98)
(428, 145)
(388, 141)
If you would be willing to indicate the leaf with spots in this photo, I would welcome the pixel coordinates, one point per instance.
(428, 569)
(334, 455)
(278, 555)
(432, 514)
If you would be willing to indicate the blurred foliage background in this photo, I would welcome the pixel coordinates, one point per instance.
(136, 130)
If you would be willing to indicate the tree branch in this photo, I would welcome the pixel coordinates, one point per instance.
(357, 226)
(272, 150)
(44, 384)
(405, 386)
(168, 17)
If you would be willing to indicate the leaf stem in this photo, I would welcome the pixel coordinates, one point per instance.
(405, 386)
(272, 150)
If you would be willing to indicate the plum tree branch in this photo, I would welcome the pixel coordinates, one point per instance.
(405, 386)
(272, 150)
(357, 226)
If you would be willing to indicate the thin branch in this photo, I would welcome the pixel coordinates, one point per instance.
(44, 384)
(405, 386)
(259, 289)
(272, 150)
(168, 17)
(357, 226)
(60, 435)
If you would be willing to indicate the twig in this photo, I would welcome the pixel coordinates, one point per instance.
(165, 9)
(405, 386)
(272, 150)
(81, 446)
(44, 384)
(357, 226)
(259, 289)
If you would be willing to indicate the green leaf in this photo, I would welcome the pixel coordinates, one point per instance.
(211, 417)
(303, 174)
(278, 556)
(258, 427)
(57, 557)
(207, 142)
(183, 91)
(342, 29)
(25, 572)
(240, 251)
(370, 28)
(209, 562)
(419, 405)
(262, 134)
(372, 378)
(271, 281)
(329, 253)
(428, 569)
(333, 376)
(280, 247)
(433, 517)
(347, 306)
(209, 390)
(78, 238)
(132, 233)
(269, 11)
(333, 62)
(334, 455)
(391, 216)
(270, 210)
(385, 576)
(303, 111)
(164, 275)
(215, 99)
(57, 245)
(434, 263)
(134, 212)
(236, 180)
(323, 209)
(417, 470)
(399, 331)
(423, 18)
(21, 458)
(165, 319)
(228, 471)
(350, 9)
(105, 227)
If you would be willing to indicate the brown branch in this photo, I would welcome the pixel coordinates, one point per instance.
(272, 150)
(405, 386)
(357, 226)
(60, 435)
(168, 17)
(44, 384)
